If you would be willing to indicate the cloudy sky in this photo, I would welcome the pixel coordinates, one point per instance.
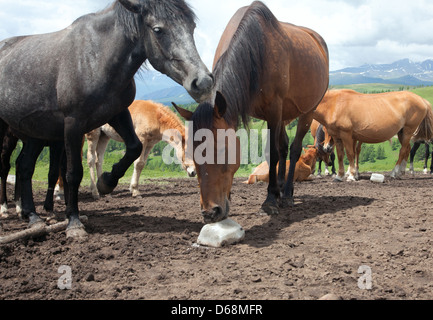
(356, 31)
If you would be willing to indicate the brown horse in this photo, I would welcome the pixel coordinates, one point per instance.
(269, 70)
(352, 118)
(152, 123)
(303, 170)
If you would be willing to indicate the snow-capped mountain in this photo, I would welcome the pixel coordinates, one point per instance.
(405, 72)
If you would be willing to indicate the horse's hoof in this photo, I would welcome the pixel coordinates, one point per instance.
(35, 221)
(338, 179)
(269, 209)
(77, 233)
(103, 187)
(286, 202)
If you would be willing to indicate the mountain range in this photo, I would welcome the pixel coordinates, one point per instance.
(152, 85)
(404, 72)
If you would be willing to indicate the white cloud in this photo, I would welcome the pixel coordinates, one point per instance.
(356, 31)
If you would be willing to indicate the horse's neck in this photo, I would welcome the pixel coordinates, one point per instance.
(116, 46)
(168, 121)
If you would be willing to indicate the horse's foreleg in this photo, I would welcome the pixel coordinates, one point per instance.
(333, 163)
(25, 168)
(340, 155)
(122, 123)
(319, 166)
(350, 147)
(304, 124)
(74, 175)
(270, 206)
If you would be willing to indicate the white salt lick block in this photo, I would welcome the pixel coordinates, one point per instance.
(375, 177)
(221, 233)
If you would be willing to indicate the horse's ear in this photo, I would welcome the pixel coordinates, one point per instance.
(132, 5)
(186, 114)
(220, 105)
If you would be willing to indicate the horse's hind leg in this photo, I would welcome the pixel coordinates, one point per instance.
(400, 166)
(427, 154)
(9, 144)
(413, 151)
(56, 151)
(138, 168)
(270, 206)
(431, 164)
(26, 166)
(304, 124)
(283, 150)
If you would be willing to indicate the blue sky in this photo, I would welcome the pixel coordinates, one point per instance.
(356, 31)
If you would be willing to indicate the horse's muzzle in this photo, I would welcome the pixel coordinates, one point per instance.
(215, 214)
(200, 88)
(191, 172)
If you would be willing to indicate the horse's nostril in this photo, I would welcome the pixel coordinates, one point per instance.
(203, 83)
(194, 85)
(217, 211)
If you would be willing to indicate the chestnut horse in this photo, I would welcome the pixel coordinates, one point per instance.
(353, 118)
(265, 69)
(303, 170)
(152, 122)
(62, 85)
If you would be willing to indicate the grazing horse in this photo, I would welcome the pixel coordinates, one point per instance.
(62, 85)
(269, 70)
(413, 151)
(303, 170)
(353, 118)
(152, 122)
(322, 138)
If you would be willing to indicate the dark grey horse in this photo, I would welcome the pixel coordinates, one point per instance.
(61, 85)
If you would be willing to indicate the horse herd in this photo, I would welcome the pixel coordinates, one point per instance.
(57, 88)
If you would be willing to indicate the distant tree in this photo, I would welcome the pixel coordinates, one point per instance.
(380, 154)
(395, 144)
(367, 154)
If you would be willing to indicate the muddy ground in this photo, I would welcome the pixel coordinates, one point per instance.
(145, 248)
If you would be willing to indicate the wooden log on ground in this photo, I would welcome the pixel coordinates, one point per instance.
(38, 231)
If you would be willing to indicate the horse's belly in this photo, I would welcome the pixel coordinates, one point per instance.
(373, 136)
(46, 125)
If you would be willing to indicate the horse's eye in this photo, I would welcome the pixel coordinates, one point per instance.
(157, 30)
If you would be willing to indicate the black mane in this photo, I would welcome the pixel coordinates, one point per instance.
(239, 70)
(171, 11)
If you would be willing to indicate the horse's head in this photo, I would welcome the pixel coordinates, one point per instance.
(325, 145)
(166, 29)
(216, 157)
